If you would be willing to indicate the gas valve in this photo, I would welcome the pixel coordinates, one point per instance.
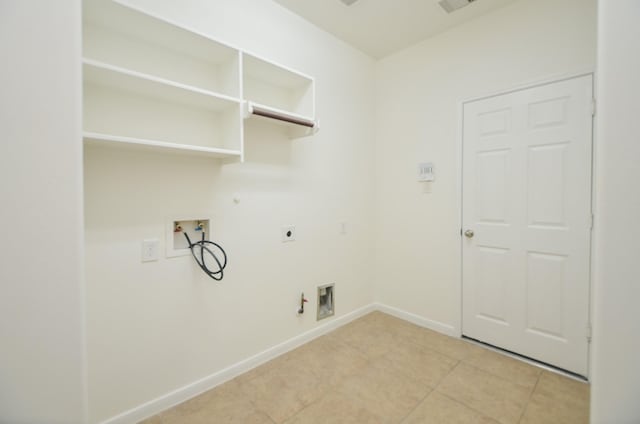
(302, 302)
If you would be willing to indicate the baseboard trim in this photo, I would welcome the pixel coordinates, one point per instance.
(438, 326)
(187, 392)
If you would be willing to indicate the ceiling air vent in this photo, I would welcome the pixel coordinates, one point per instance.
(453, 5)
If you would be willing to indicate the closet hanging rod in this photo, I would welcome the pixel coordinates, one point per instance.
(255, 109)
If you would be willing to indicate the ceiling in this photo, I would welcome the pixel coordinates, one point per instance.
(382, 27)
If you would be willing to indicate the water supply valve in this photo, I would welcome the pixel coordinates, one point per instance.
(300, 310)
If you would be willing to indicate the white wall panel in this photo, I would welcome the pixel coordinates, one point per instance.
(616, 341)
(157, 327)
(419, 91)
(42, 351)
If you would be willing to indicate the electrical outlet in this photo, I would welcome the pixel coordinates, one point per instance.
(150, 250)
(289, 233)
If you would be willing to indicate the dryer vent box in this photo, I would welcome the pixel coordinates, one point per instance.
(326, 301)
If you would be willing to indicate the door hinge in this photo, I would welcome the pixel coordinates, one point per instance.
(593, 218)
(588, 331)
(593, 107)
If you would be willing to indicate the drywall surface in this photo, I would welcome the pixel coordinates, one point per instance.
(158, 326)
(42, 357)
(616, 338)
(419, 93)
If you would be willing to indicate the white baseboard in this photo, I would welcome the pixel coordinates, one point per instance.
(189, 391)
(438, 326)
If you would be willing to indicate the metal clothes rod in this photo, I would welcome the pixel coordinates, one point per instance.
(257, 110)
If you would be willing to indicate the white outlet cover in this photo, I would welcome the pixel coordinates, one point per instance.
(288, 233)
(150, 250)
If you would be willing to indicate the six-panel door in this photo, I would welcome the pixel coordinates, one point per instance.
(527, 199)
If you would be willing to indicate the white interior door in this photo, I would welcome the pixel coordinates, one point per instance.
(527, 218)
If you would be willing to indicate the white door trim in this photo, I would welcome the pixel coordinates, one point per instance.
(457, 325)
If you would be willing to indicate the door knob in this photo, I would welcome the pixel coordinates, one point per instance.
(468, 233)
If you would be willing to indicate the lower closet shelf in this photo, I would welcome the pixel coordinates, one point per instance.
(163, 146)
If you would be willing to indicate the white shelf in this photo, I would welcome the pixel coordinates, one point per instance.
(133, 39)
(277, 87)
(109, 139)
(274, 74)
(145, 107)
(151, 83)
(147, 85)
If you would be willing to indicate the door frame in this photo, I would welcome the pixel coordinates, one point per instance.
(459, 184)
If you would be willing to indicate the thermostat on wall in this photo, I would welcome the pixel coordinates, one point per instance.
(425, 171)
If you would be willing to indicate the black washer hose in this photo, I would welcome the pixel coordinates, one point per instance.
(216, 275)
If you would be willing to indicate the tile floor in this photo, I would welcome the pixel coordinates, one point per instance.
(380, 369)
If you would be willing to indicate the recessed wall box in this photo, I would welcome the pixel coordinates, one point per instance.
(177, 227)
(326, 301)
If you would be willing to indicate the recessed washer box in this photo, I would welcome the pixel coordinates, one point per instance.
(326, 301)
(193, 225)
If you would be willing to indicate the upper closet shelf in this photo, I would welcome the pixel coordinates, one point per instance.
(134, 39)
(118, 78)
(278, 88)
(152, 83)
(110, 139)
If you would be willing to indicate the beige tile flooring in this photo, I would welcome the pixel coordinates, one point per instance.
(380, 369)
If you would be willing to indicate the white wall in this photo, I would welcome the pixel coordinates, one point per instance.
(616, 338)
(41, 295)
(419, 91)
(156, 327)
